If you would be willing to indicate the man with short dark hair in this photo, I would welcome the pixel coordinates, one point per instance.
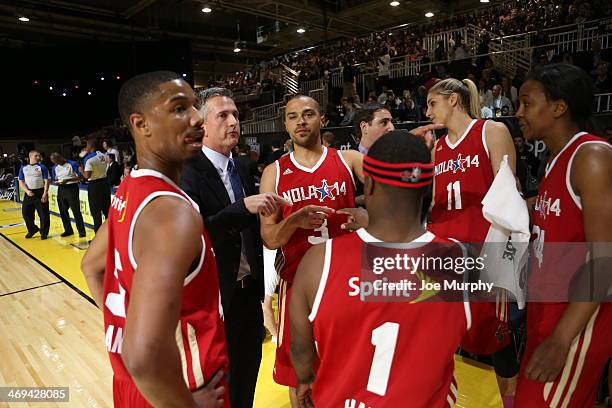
(325, 178)
(328, 139)
(66, 175)
(277, 151)
(107, 145)
(34, 181)
(370, 123)
(244, 158)
(151, 268)
(602, 79)
(113, 172)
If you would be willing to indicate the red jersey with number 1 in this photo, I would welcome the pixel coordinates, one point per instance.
(384, 352)
(463, 175)
(200, 334)
(329, 183)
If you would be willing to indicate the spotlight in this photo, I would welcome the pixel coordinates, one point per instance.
(50, 88)
(394, 3)
(88, 92)
(63, 93)
(429, 14)
(484, 1)
(301, 30)
(118, 77)
(237, 49)
(206, 10)
(184, 75)
(24, 19)
(101, 78)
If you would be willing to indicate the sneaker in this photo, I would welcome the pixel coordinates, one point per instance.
(82, 234)
(43, 237)
(66, 234)
(31, 233)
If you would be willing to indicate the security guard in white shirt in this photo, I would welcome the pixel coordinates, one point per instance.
(34, 181)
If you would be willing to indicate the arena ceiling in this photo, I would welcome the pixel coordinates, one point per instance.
(213, 35)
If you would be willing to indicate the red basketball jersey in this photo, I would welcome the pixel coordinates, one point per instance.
(557, 218)
(200, 335)
(381, 354)
(463, 175)
(329, 183)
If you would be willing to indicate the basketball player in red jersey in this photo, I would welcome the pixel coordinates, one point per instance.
(467, 159)
(318, 181)
(568, 344)
(160, 296)
(375, 354)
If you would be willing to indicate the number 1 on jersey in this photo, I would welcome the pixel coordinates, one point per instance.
(456, 188)
(384, 339)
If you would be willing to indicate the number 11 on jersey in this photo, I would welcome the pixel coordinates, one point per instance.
(454, 187)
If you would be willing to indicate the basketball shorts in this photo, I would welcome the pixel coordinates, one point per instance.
(577, 383)
(489, 332)
(126, 395)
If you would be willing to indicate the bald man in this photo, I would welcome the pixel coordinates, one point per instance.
(34, 181)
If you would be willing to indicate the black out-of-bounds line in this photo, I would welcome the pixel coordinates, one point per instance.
(57, 275)
(32, 288)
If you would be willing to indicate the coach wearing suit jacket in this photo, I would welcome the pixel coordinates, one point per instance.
(229, 204)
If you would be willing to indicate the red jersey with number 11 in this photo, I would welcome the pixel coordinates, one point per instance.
(463, 175)
(329, 183)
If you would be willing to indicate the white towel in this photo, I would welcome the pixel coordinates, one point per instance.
(507, 241)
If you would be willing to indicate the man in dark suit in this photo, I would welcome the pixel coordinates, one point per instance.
(229, 204)
(244, 159)
(114, 171)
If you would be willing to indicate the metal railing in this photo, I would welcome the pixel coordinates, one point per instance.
(262, 126)
(430, 41)
(266, 111)
(308, 86)
(289, 78)
(602, 103)
(321, 96)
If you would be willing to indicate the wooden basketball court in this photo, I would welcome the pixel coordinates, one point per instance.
(52, 334)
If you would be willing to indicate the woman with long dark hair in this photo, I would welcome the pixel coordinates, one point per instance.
(568, 340)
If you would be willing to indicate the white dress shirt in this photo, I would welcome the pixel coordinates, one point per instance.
(220, 161)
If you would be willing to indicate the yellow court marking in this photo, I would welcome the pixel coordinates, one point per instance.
(61, 255)
(82, 334)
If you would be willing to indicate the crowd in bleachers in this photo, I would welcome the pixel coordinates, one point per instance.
(508, 18)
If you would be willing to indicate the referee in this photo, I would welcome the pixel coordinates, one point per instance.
(34, 181)
(98, 190)
(66, 175)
